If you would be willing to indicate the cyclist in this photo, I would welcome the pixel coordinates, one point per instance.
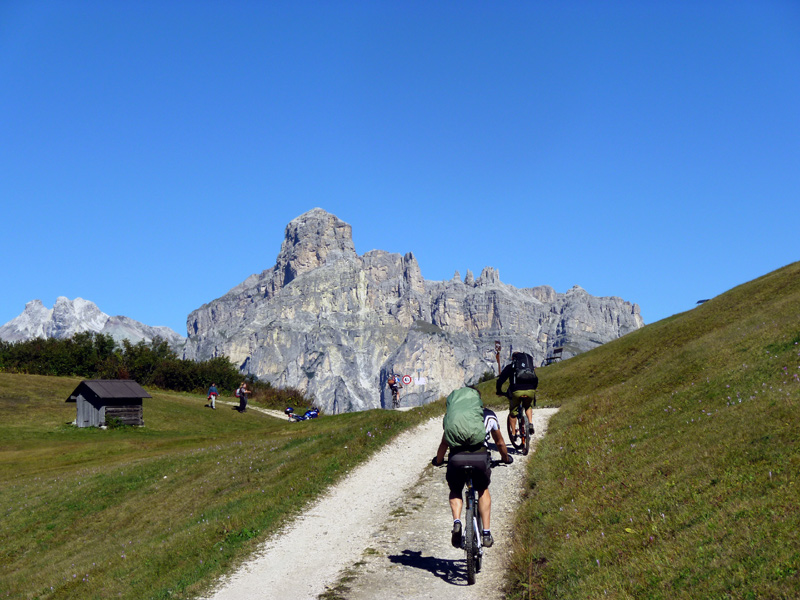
(394, 386)
(521, 389)
(480, 458)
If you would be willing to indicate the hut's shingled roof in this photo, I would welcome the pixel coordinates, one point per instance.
(111, 388)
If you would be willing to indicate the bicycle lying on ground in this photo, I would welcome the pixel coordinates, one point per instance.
(521, 441)
(312, 413)
(473, 524)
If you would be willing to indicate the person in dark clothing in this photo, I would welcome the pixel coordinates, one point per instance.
(520, 391)
(243, 392)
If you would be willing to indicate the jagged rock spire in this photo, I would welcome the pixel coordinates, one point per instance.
(311, 240)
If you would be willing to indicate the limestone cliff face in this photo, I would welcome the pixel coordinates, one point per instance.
(335, 324)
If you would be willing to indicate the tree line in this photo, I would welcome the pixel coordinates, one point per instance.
(97, 356)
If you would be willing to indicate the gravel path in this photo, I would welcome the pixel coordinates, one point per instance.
(384, 532)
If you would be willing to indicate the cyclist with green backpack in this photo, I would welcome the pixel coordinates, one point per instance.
(466, 428)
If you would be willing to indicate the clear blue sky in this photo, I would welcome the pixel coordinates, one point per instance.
(152, 153)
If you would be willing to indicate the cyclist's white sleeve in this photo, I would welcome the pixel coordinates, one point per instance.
(491, 423)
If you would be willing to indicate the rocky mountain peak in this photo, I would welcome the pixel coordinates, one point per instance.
(68, 317)
(311, 240)
(488, 276)
(347, 321)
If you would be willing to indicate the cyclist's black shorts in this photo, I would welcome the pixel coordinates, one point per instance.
(457, 477)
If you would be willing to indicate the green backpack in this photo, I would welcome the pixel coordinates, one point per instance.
(463, 421)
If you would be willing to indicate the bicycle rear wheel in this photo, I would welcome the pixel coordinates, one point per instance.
(515, 441)
(479, 551)
(470, 543)
(525, 437)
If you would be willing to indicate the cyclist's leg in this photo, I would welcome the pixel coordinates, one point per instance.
(456, 504)
(512, 407)
(527, 405)
(485, 507)
(455, 482)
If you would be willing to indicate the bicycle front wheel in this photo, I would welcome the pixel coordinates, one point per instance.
(470, 544)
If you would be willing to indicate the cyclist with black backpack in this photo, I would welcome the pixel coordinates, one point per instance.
(521, 389)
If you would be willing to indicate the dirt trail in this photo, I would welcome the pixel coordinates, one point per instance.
(267, 411)
(384, 532)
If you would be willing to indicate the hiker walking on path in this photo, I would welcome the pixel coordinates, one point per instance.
(212, 396)
(242, 392)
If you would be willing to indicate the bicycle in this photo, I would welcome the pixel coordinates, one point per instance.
(395, 397)
(471, 539)
(473, 524)
(522, 441)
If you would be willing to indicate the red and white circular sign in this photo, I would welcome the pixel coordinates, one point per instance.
(406, 379)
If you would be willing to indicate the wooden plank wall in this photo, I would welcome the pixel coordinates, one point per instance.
(128, 414)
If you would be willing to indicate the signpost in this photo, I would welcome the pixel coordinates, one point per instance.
(497, 355)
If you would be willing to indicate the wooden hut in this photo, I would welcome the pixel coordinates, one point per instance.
(100, 399)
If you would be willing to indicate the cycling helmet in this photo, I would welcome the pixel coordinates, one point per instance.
(289, 410)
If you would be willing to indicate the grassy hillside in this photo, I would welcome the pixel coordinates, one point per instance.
(159, 511)
(671, 470)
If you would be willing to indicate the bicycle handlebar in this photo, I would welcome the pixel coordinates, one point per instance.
(492, 463)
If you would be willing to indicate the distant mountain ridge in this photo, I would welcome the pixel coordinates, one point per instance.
(68, 317)
(334, 324)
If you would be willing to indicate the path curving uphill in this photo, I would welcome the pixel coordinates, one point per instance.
(384, 532)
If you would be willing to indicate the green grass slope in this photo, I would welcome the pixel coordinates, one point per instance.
(671, 470)
(159, 511)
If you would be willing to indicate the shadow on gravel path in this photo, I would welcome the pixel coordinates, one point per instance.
(449, 570)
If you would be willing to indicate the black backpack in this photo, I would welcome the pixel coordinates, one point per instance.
(525, 377)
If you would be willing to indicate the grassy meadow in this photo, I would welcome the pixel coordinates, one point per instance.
(672, 469)
(159, 511)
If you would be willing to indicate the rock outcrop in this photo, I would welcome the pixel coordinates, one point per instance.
(68, 317)
(335, 324)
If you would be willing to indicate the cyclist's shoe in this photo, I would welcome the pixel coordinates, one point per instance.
(455, 537)
(487, 540)
(530, 429)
